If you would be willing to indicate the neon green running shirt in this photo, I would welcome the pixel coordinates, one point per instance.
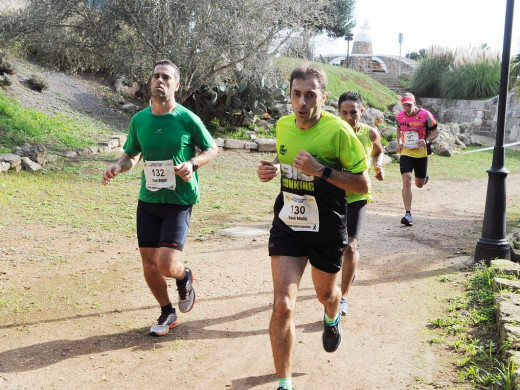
(172, 136)
(332, 142)
(363, 134)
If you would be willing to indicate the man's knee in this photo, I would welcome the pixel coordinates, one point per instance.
(283, 308)
(351, 249)
(407, 179)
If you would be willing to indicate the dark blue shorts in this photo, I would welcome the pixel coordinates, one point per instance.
(162, 225)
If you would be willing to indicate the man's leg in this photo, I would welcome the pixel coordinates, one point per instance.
(154, 279)
(407, 191)
(328, 293)
(159, 263)
(349, 265)
(287, 273)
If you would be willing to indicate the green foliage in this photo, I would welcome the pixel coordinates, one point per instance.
(239, 101)
(461, 74)
(6, 80)
(7, 67)
(341, 79)
(37, 82)
(204, 38)
(19, 125)
(470, 327)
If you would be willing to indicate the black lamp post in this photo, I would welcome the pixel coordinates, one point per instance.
(348, 38)
(493, 243)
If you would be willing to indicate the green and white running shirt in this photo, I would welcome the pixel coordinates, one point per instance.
(163, 139)
(305, 202)
(363, 134)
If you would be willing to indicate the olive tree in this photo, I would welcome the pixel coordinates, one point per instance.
(210, 40)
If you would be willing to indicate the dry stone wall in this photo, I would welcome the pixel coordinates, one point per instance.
(483, 113)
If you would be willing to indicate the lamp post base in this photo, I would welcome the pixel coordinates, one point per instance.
(487, 250)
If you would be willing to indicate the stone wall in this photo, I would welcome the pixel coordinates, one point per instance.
(482, 112)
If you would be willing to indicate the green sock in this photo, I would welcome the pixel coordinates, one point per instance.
(331, 321)
(285, 382)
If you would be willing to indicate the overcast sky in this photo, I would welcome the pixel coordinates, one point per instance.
(450, 23)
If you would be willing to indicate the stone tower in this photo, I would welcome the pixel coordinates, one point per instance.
(362, 42)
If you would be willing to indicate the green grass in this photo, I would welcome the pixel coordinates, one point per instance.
(469, 329)
(341, 79)
(19, 125)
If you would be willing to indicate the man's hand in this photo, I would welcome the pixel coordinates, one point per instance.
(380, 172)
(111, 172)
(266, 171)
(308, 164)
(184, 170)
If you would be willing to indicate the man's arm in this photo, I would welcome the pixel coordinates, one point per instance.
(352, 182)
(267, 171)
(377, 153)
(398, 139)
(185, 169)
(124, 164)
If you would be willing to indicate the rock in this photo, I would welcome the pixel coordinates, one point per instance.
(29, 165)
(121, 139)
(219, 142)
(264, 125)
(372, 116)
(129, 107)
(51, 157)
(111, 143)
(11, 158)
(500, 284)
(34, 152)
(331, 109)
(230, 143)
(69, 154)
(444, 149)
(282, 109)
(4, 166)
(83, 151)
(266, 144)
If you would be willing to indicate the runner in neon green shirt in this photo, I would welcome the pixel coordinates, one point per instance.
(319, 158)
(350, 110)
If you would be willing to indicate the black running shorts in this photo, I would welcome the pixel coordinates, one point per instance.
(324, 249)
(356, 212)
(162, 225)
(417, 164)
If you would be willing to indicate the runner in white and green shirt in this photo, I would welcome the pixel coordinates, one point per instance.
(350, 110)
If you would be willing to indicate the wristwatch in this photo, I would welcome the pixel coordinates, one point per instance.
(326, 173)
(195, 165)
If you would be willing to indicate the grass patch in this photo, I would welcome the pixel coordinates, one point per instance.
(19, 125)
(341, 79)
(469, 329)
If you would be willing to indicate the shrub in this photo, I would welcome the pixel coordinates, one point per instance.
(6, 80)
(37, 82)
(471, 81)
(7, 67)
(426, 80)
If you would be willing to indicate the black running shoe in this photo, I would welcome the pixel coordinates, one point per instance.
(332, 335)
(407, 220)
(186, 293)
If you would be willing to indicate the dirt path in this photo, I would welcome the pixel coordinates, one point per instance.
(223, 343)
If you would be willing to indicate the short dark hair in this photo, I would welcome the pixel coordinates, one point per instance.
(176, 70)
(351, 96)
(308, 71)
